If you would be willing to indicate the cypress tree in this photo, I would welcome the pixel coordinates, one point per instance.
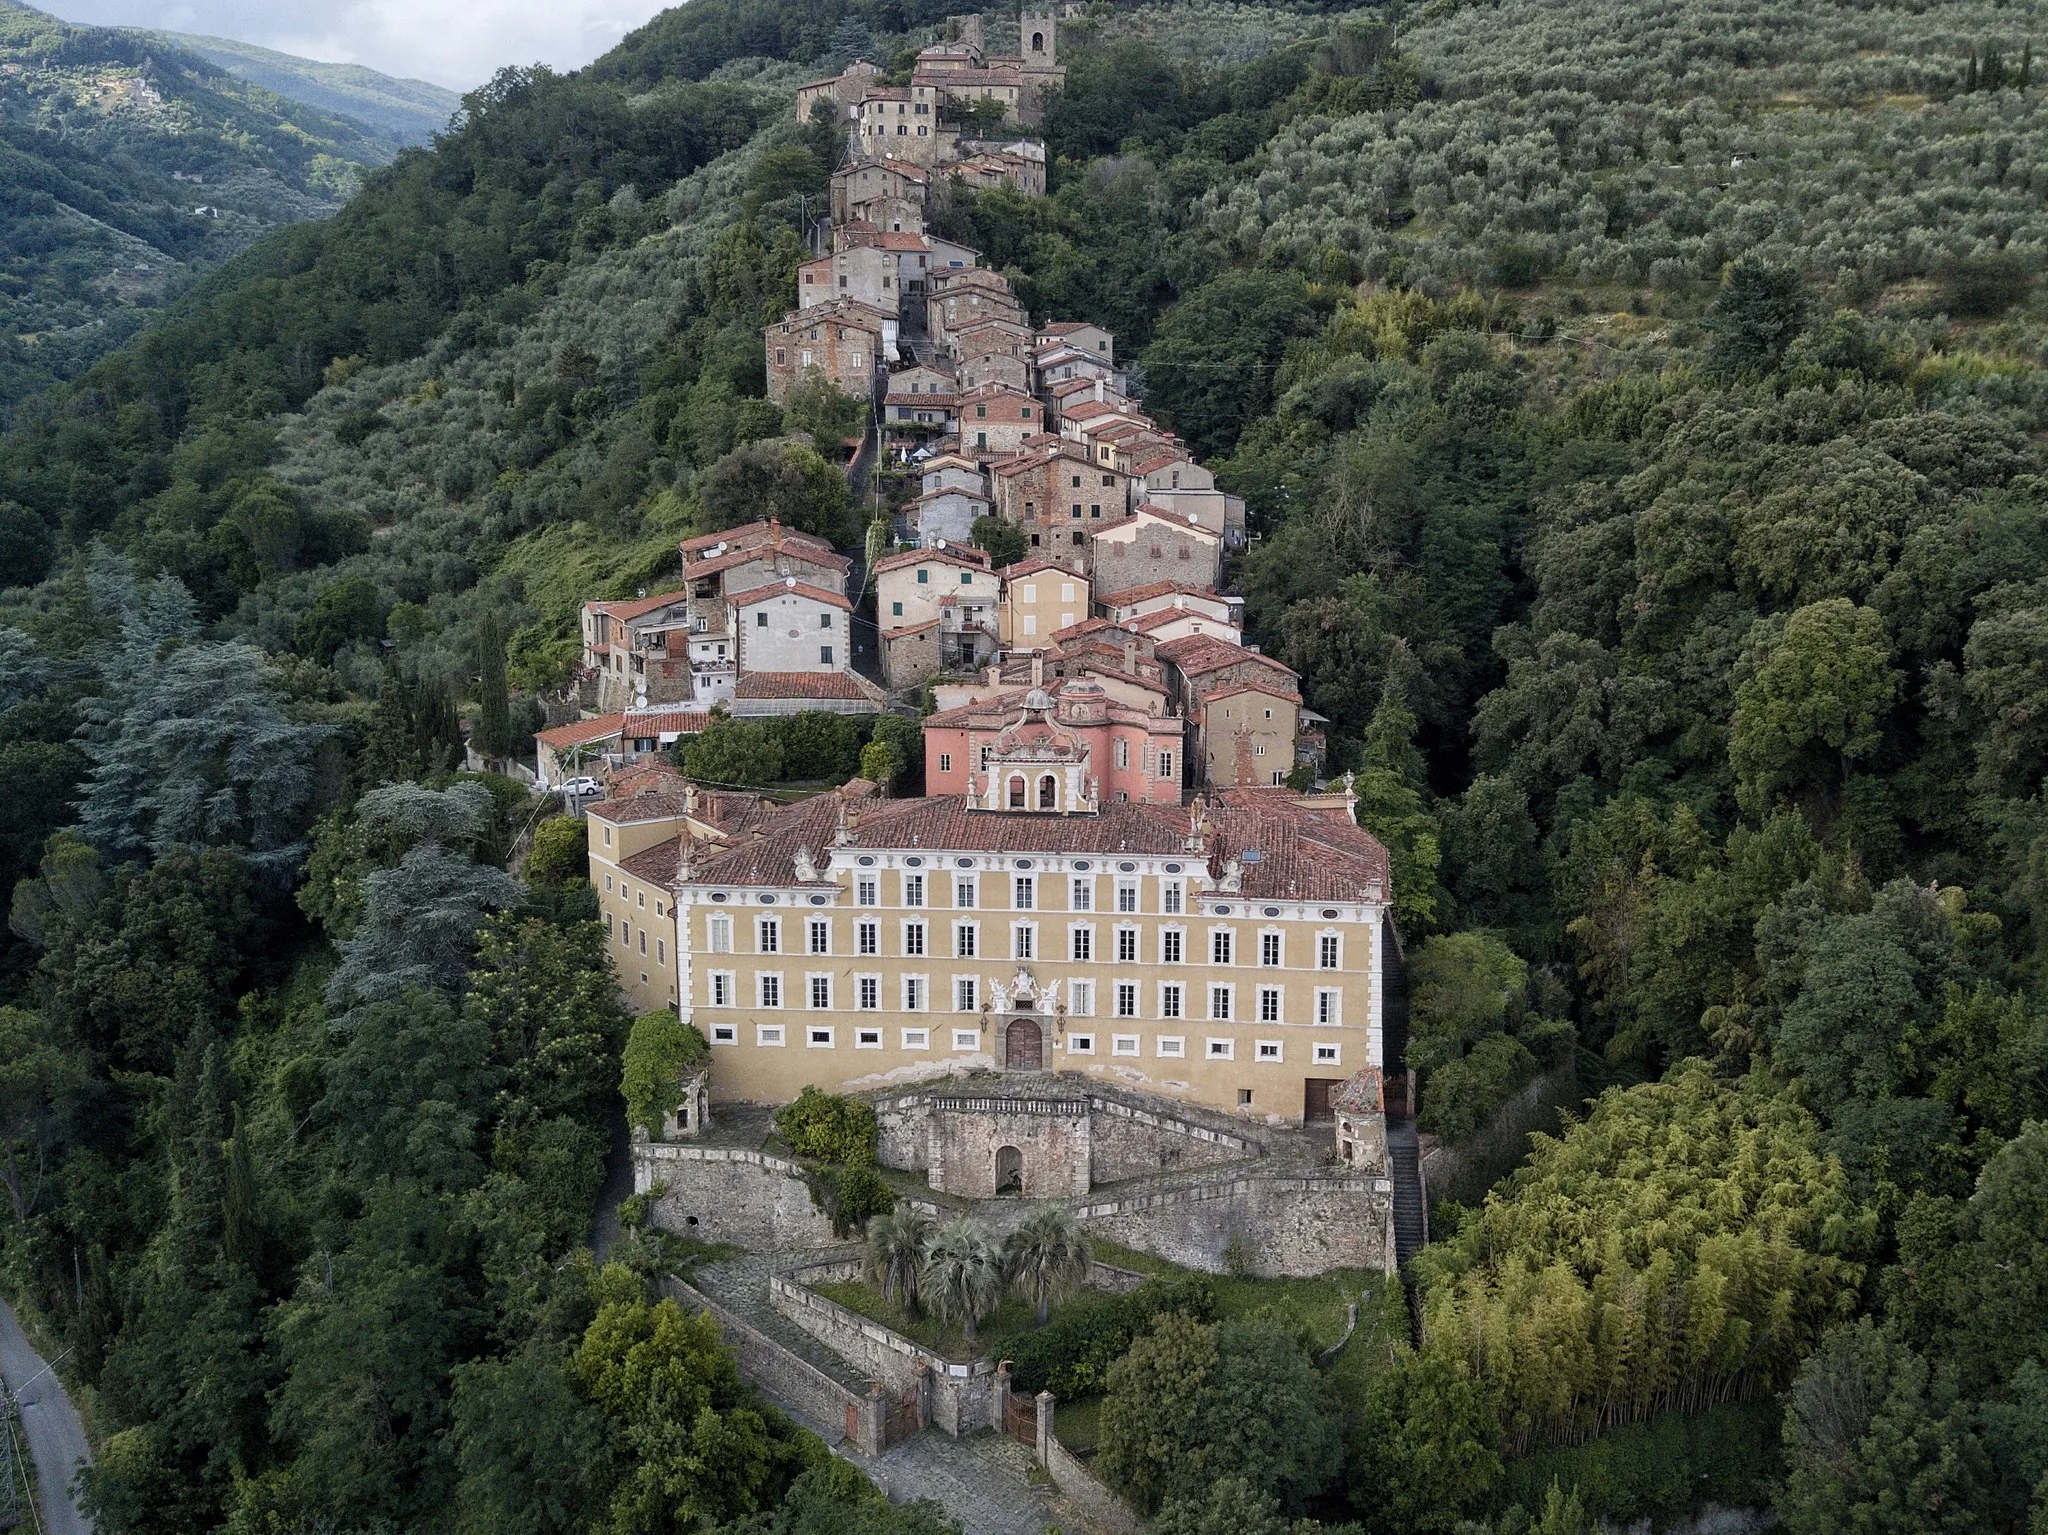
(493, 734)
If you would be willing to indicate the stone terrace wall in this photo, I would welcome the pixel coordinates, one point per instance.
(1284, 1227)
(791, 1382)
(1050, 1134)
(724, 1194)
(1130, 1142)
(959, 1396)
(1077, 1483)
(903, 1125)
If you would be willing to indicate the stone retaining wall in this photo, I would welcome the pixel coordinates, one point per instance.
(725, 1194)
(1281, 1227)
(792, 1383)
(1078, 1485)
(957, 1397)
(1129, 1142)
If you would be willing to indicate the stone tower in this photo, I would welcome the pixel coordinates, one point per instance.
(1038, 39)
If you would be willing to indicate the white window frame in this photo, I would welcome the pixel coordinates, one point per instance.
(1222, 945)
(1330, 1007)
(767, 935)
(966, 994)
(1170, 1047)
(1273, 941)
(769, 1036)
(867, 890)
(867, 1039)
(820, 1036)
(1124, 1044)
(1329, 1053)
(917, 993)
(916, 1039)
(1024, 940)
(1278, 996)
(1127, 990)
(867, 993)
(1173, 995)
(1127, 942)
(1081, 943)
(1024, 892)
(1173, 946)
(915, 928)
(966, 1039)
(1127, 892)
(1080, 999)
(966, 894)
(718, 933)
(1081, 893)
(1228, 993)
(1269, 1052)
(1219, 1050)
(966, 940)
(725, 1033)
(1173, 898)
(764, 982)
(1329, 950)
(724, 988)
(818, 935)
(813, 981)
(867, 937)
(913, 890)
(1080, 1044)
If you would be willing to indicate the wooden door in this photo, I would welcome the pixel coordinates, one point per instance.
(1316, 1095)
(1024, 1045)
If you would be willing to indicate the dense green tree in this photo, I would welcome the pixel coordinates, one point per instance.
(739, 753)
(1003, 542)
(1211, 366)
(784, 480)
(1815, 701)
(1756, 315)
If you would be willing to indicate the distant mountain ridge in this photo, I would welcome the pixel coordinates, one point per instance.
(412, 111)
(129, 164)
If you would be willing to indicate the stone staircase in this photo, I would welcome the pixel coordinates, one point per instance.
(1404, 1156)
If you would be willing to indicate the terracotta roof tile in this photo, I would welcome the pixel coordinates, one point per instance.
(627, 611)
(822, 685)
(1198, 654)
(952, 554)
(784, 586)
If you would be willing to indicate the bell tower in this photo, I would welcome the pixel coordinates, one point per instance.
(1038, 39)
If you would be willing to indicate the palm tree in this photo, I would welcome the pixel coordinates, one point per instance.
(896, 1243)
(1047, 1256)
(962, 1277)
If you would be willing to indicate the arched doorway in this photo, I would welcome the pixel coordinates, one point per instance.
(1024, 1045)
(1009, 1170)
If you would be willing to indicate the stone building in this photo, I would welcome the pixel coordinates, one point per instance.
(862, 188)
(958, 298)
(1057, 495)
(843, 91)
(638, 650)
(867, 274)
(996, 419)
(1150, 546)
(1243, 707)
(936, 609)
(842, 340)
(1227, 953)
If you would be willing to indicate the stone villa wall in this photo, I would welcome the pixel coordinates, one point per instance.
(1282, 1227)
(967, 1135)
(724, 1194)
(958, 1398)
(1129, 1142)
(799, 1386)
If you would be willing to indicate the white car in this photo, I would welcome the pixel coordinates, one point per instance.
(578, 788)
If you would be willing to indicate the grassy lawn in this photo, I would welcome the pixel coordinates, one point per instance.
(1015, 1317)
(1313, 1306)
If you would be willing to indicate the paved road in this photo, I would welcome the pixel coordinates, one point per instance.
(56, 1439)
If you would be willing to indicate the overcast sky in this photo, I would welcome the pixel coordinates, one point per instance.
(456, 43)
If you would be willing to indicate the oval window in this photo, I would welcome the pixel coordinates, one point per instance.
(1173, 868)
(1329, 914)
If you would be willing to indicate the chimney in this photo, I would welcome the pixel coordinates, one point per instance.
(1101, 393)
(1038, 669)
(1130, 655)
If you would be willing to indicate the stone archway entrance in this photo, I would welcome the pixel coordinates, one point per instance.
(1009, 1170)
(1024, 1045)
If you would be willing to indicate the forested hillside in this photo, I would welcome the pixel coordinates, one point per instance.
(1639, 406)
(409, 111)
(130, 164)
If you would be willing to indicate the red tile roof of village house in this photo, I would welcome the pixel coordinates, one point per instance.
(897, 634)
(784, 586)
(934, 400)
(1187, 520)
(1362, 1093)
(1199, 654)
(970, 558)
(1066, 327)
(840, 685)
(652, 776)
(634, 808)
(1158, 618)
(767, 529)
(1034, 564)
(625, 612)
(888, 165)
(899, 240)
(766, 853)
(647, 722)
(1166, 589)
(1160, 460)
(655, 865)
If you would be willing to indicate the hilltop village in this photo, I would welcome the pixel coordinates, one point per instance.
(1118, 900)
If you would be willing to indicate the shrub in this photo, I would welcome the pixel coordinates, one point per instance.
(658, 1051)
(1462, 1095)
(824, 1127)
(1657, 1470)
(1070, 1356)
(560, 852)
